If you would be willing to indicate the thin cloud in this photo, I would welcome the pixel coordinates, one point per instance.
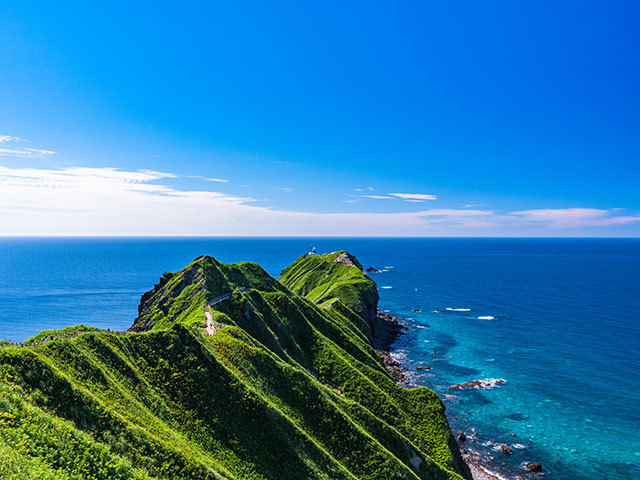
(377, 197)
(99, 201)
(10, 138)
(414, 196)
(27, 152)
(110, 201)
(366, 189)
(40, 151)
(575, 217)
(284, 189)
(218, 180)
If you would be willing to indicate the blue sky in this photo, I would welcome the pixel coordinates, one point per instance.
(471, 119)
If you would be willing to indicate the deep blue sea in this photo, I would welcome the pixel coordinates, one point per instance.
(558, 319)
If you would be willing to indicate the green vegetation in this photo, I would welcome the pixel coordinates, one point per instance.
(323, 279)
(289, 388)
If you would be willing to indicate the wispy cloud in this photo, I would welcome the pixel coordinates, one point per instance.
(25, 152)
(110, 201)
(10, 138)
(218, 180)
(98, 201)
(366, 189)
(284, 189)
(414, 196)
(377, 197)
(575, 217)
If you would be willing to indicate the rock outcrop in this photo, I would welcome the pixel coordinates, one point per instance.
(486, 384)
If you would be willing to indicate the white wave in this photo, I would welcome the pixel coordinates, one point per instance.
(458, 309)
(487, 317)
(388, 266)
(386, 287)
(519, 446)
(491, 473)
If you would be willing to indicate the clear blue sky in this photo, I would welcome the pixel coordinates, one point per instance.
(519, 117)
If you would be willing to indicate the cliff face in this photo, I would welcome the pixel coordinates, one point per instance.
(286, 388)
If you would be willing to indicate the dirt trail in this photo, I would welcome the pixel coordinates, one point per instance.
(212, 327)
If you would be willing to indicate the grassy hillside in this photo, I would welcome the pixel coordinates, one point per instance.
(323, 279)
(286, 389)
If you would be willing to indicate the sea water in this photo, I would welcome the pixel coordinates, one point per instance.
(558, 319)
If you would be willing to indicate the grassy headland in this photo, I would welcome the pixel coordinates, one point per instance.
(288, 388)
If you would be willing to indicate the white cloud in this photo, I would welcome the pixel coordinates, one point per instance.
(40, 151)
(218, 180)
(10, 138)
(367, 189)
(109, 201)
(575, 217)
(284, 189)
(453, 212)
(414, 196)
(378, 197)
(21, 152)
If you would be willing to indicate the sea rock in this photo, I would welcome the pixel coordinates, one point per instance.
(486, 384)
(506, 449)
(533, 467)
(423, 367)
(416, 309)
(462, 437)
(372, 270)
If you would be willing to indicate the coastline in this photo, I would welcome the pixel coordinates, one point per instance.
(390, 328)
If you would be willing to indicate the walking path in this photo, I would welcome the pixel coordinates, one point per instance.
(212, 327)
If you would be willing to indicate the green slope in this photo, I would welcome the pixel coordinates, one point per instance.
(287, 389)
(323, 279)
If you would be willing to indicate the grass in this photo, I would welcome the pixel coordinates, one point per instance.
(289, 388)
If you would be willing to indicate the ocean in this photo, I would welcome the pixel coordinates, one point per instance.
(557, 319)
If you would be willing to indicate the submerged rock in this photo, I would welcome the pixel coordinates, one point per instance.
(533, 466)
(486, 384)
(423, 367)
(462, 437)
(504, 448)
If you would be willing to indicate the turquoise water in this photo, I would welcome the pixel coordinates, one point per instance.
(564, 334)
